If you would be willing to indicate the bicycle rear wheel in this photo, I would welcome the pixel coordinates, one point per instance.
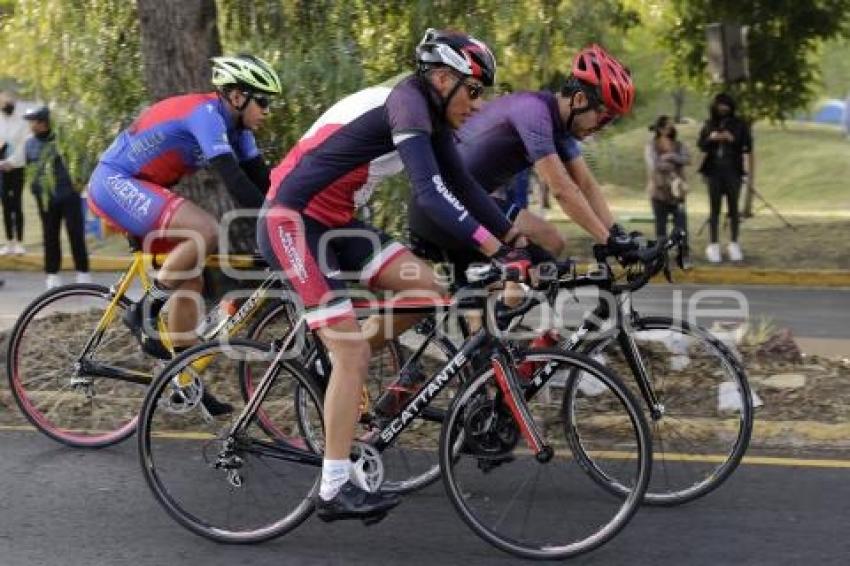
(536, 508)
(706, 421)
(78, 400)
(242, 488)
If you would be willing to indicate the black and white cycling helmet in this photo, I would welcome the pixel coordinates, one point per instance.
(463, 53)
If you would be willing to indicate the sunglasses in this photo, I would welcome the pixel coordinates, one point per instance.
(262, 100)
(475, 90)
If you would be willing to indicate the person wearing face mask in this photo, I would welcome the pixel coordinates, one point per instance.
(725, 139)
(13, 136)
(56, 197)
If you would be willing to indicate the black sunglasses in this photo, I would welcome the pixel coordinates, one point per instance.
(262, 100)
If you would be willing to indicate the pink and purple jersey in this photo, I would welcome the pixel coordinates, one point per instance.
(342, 158)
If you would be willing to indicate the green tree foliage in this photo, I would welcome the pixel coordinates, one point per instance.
(783, 39)
(83, 57)
(326, 49)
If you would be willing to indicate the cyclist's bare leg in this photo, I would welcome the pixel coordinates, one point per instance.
(183, 313)
(540, 231)
(188, 255)
(197, 232)
(350, 352)
(405, 273)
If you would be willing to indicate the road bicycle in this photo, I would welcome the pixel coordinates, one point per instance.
(504, 449)
(679, 370)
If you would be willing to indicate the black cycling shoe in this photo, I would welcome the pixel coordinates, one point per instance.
(215, 407)
(133, 319)
(353, 502)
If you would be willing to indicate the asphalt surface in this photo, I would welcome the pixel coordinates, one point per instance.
(66, 507)
(814, 313)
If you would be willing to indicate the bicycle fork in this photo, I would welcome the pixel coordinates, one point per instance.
(635, 360)
(515, 400)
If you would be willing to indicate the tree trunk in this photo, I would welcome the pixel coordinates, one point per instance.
(178, 40)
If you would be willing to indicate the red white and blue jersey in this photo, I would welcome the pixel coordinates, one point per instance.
(341, 159)
(177, 136)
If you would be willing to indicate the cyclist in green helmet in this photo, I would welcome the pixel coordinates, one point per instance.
(131, 186)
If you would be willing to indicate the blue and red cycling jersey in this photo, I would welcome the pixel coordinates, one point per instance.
(168, 141)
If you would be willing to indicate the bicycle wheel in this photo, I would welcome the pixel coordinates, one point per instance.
(78, 400)
(536, 508)
(412, 462)
(233, 488)
(698, 443)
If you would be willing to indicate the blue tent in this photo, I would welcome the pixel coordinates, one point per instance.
(829, 112)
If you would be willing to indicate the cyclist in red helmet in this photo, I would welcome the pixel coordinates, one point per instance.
(543, 130)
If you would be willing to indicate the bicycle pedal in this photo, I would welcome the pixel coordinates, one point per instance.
(374, 519)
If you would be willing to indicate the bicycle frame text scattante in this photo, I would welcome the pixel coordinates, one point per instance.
(504, 377)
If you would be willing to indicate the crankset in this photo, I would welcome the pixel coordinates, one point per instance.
(490, 433)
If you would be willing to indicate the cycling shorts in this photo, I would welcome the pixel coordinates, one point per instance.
(132, 205)
(318, 260)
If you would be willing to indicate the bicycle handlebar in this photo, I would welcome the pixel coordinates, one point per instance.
(641, 266)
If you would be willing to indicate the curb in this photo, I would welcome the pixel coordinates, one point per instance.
(761, 276)
(697, 275)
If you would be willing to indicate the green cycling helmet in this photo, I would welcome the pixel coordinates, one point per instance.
(246, 71)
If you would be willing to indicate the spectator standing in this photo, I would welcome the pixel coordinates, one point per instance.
(57, 198)
(666, 158)
(725, 139)
(13, 134)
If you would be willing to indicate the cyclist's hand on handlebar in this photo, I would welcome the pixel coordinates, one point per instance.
(622, 246)
(512, 259)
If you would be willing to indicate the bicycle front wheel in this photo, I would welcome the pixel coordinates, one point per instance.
(228, 484)
(703, 425)
(76, 372)
(536, 507)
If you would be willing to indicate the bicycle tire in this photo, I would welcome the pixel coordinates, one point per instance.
(461, 439)
(204, 500)
(56, 409)
(669, 464)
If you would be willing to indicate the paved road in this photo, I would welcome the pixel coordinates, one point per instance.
(813, 313)
(65, 507)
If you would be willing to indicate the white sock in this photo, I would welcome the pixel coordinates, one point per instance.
(334, 474)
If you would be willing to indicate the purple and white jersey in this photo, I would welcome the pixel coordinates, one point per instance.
(510, 134)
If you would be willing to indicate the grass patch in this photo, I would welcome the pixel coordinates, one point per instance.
(799, 167)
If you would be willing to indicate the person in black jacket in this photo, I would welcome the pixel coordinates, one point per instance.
(56, 197)
(725, 139)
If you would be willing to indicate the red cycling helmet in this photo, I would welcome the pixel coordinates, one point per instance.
(594, 66)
